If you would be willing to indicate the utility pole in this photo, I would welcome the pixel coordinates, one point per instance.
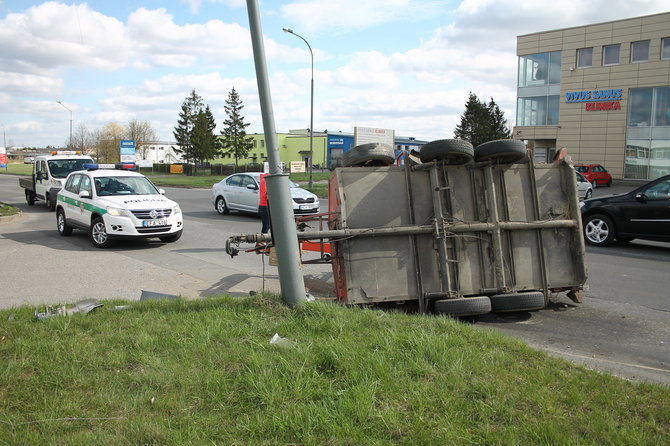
(284, 232)
(311, 107)
(69, 143)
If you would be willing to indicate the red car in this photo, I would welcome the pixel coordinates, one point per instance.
(595, 173)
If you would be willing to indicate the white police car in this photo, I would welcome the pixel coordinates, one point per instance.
(112, 204)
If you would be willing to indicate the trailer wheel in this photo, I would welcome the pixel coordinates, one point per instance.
(451, 151)
(527, 301)
(371, 154)
(466, 306)
(503, 151)
(30, 197)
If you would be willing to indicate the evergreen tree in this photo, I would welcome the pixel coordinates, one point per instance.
(482, 122)
(499, 125)
(204, 143)
(190, 108)
(235, 140)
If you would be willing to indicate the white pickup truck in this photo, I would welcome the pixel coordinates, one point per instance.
(49, 173)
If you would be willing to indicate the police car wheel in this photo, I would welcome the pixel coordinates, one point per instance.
(98, 234)
(63, 228)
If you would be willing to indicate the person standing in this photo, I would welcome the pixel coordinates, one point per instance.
(263, 208)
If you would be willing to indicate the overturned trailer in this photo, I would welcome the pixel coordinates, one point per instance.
(462, 239)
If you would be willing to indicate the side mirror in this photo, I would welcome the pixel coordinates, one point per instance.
(38, 176)
(84, 194)
(252, 187)
(161, 191)
(641, 197)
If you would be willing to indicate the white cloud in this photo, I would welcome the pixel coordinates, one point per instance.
(327, 16)
(28, 84)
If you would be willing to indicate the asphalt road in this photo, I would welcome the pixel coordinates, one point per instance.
(623, 326)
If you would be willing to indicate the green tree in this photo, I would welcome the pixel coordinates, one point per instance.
(204, 142)
(235, 140)
(190, 109)
(482, 122)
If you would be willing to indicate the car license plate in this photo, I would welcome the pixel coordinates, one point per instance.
(305, 207)
(150, 223)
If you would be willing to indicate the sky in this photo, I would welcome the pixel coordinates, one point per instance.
(406, 65)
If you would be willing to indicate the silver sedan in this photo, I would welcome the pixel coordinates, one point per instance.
(239, 192)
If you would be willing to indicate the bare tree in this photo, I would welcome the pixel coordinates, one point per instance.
(142, 133)
(108, 142)
(83, 139)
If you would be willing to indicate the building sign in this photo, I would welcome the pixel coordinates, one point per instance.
(127, 150)
(297, 166)
(596, 100)
(3, 157)
(364, 135)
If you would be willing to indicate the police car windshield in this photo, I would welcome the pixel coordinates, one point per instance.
(108, 186)
(62, 168)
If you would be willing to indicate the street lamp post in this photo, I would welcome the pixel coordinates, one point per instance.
(311, 106)
(65, 107)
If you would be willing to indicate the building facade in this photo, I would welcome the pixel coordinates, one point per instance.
(602, 91)
(327, 148)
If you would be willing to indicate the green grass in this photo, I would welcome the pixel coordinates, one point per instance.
(181, 372)
(7, 210)
(17, 169)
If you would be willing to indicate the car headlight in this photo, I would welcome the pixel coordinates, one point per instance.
(177, 210)
(55, 182)
(118, 212)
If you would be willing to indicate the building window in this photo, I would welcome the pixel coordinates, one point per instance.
(648, 135)
(538, 110)
(611, 54)
(585, 57)
(255, 143)
(639, 107)
(540, 69)
(262, 143)
(665, 48)
(639, 51)
(661, 107)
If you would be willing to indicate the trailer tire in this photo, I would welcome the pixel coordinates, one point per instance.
(30, 197)
(527, 301)
(502, 151)
(466, 306)
(451, 151)
(370, 154)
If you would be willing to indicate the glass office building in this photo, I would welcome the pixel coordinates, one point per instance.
(602, 91)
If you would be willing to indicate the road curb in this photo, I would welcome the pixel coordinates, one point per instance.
(8, 218)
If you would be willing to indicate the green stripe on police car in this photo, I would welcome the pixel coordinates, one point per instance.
(80, 203)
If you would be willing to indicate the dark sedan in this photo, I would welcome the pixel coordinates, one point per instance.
(643, 213)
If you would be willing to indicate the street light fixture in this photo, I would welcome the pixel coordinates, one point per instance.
(311, 106)
(65, 107)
